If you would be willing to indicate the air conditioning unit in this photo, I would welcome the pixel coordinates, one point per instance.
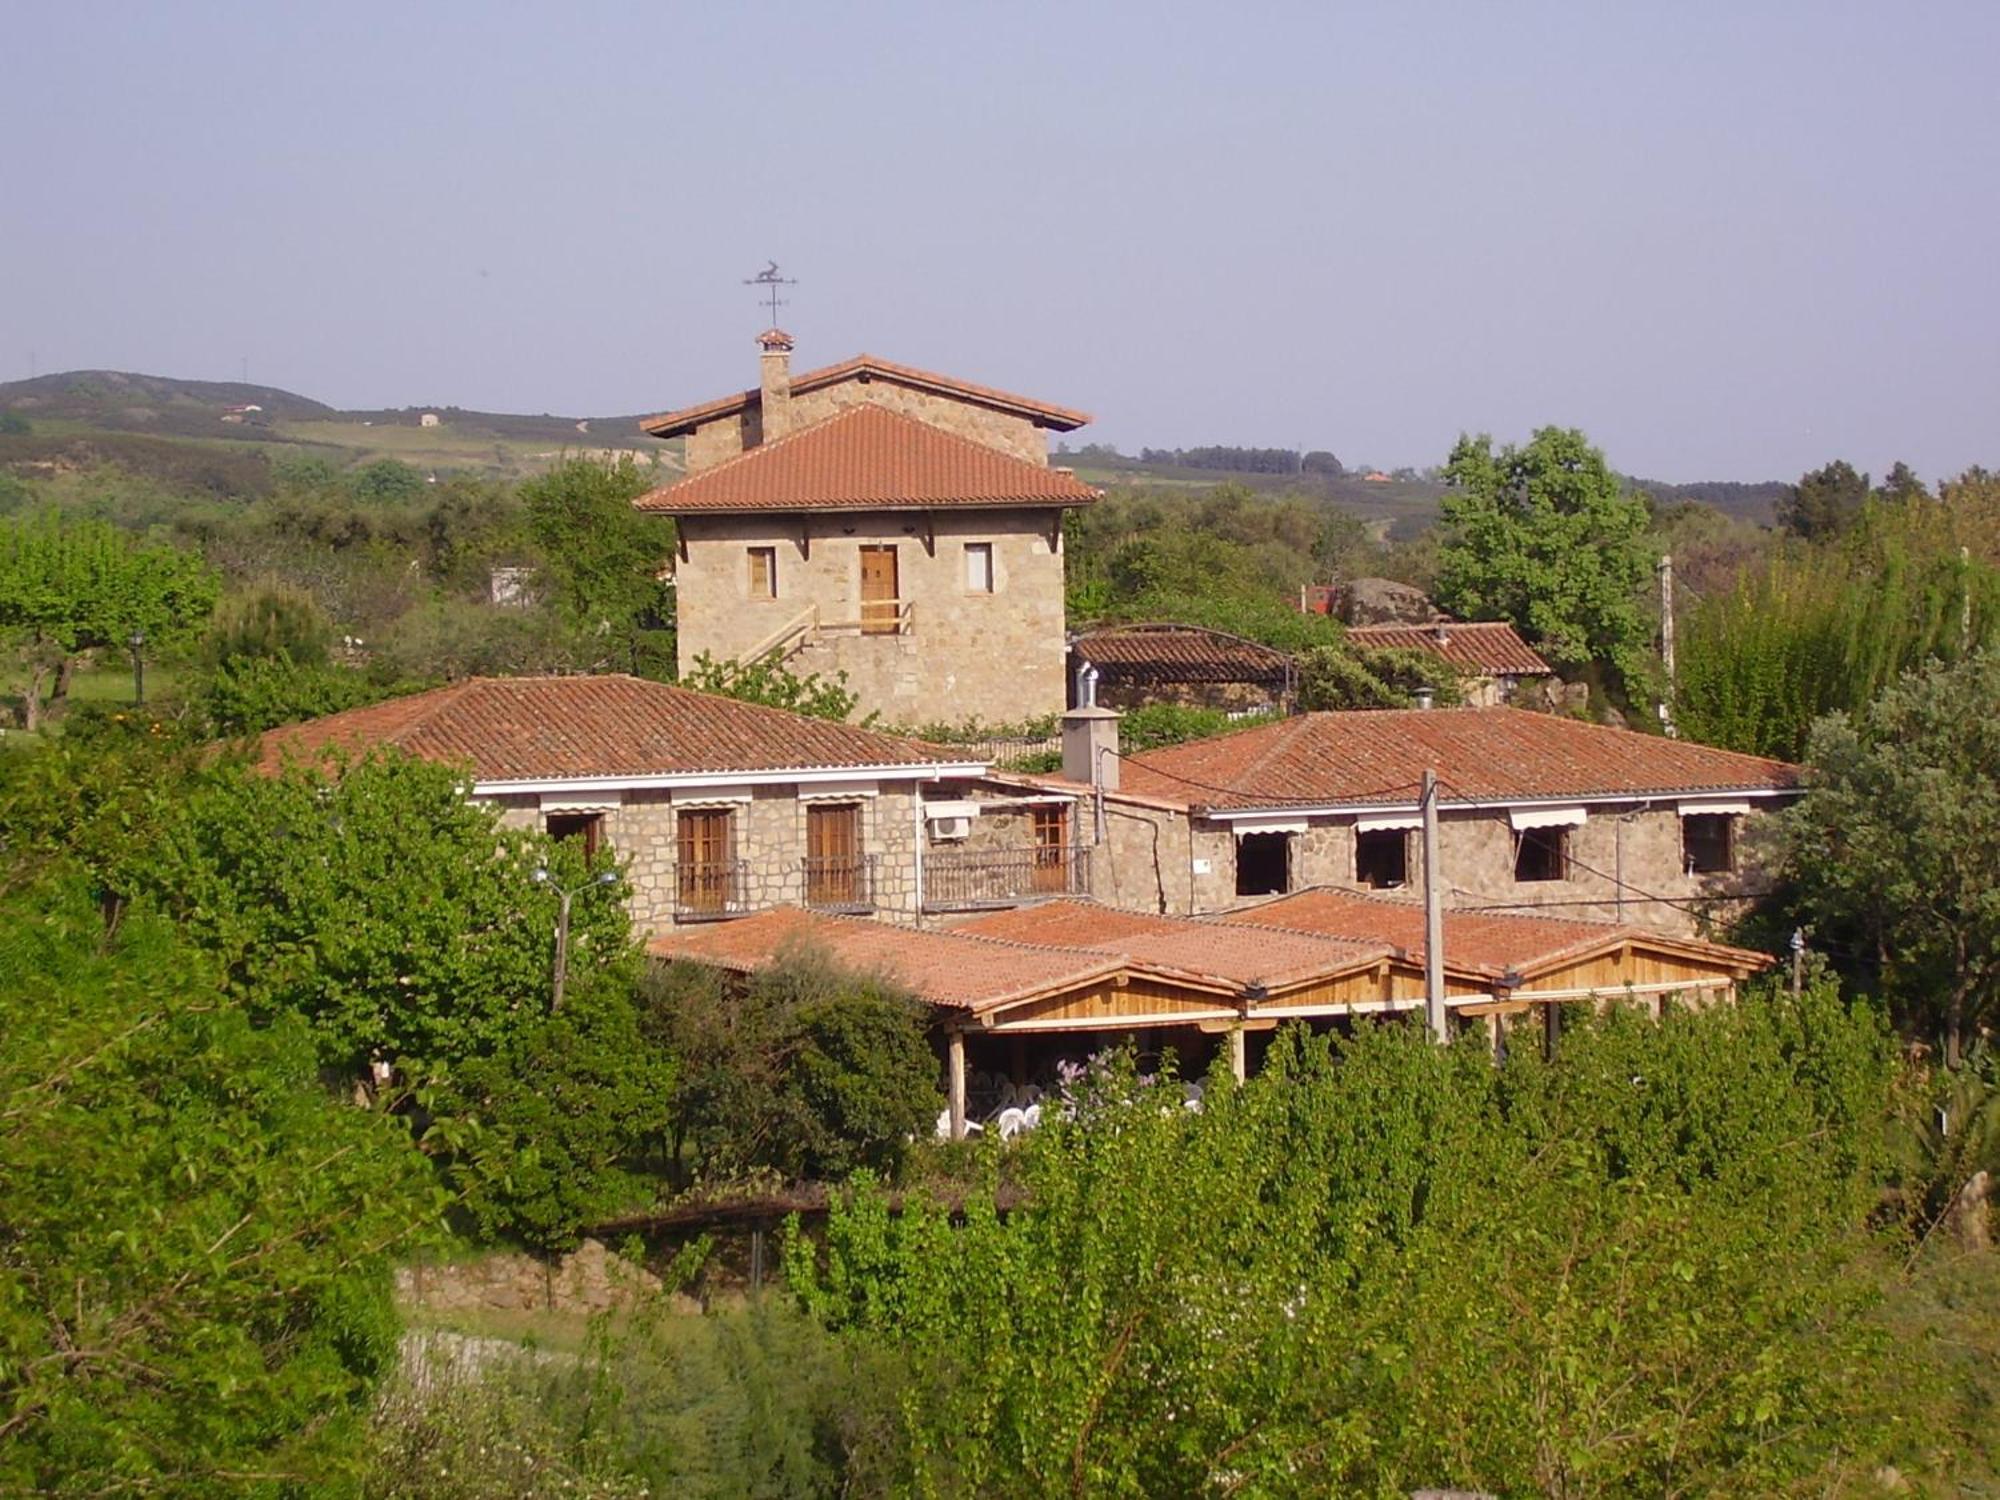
(951, 830)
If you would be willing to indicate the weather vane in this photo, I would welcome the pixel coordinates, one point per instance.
(770, 281)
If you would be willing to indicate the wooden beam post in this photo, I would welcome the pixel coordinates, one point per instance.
(1551, 1028)
(955, 1080)
(1239, 1059)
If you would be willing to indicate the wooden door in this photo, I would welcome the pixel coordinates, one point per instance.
(833, 854)
(1051, 847)
(879, 596)
(706, 875)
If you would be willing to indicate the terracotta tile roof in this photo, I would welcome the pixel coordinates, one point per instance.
(868, 367)
(1482, 754)
(1205, 951)
(553, 728)
(1180, 653)
(867, 458)
(1488, 943)
(958, 970)
(1493, 648)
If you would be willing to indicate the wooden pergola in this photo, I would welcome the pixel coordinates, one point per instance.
(1074, 968)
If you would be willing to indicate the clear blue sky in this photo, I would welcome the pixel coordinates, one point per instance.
(1727, 239)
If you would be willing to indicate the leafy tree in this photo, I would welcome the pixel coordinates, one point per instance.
(13, 424)
(1825, 502)
(1544, 536)
(269, 622)
(1641, 1269)
(1349, 676)
(1901, 485)
(803, 1068)
(385, 480)
(194, 1283)
(543, 1128)
(1896, 844)
(776, 686)
(1827, 628)
(603, 557)
(250, 694)
(400, 920)
(70, 586)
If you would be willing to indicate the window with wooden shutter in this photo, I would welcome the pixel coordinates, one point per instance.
(1051, 826)
(979, 567)
(834, 875)
(706, 869)
(763, 572)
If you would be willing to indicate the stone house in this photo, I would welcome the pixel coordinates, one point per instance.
(1537, 814)
(1494, 665)
(713, 807)
(902, 527)
(1190, 665)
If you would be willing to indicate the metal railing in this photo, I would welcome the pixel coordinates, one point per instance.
(842, 882)
(962, 879)
(711, 889)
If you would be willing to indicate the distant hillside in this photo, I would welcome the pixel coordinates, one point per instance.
(119, 401)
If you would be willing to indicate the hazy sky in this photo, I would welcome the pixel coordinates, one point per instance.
(1728, 239)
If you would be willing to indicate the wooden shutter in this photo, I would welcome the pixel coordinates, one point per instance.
(833, 854)
(1051, 843)
(879, 598)
(705, 869)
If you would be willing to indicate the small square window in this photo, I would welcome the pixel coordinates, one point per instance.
(1542, 854)
(763, 572)
(1708, 843)
(1263, 864)
(1382, 858)
(589, 827)
(979, 567)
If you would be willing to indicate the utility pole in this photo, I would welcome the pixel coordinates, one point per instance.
(1434, 1011)
(1666, 572)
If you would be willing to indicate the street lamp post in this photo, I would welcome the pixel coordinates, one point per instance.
(564, 895)
(137, 641)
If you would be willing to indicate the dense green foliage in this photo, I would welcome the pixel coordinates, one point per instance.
(1826, 629)
(1825, 502)
(775, 685)
(1545, 537)
(69, 586)
(1642, 1269)
(804, 1069)
(603, 560)
(1895, 848)
(752, 1402)
(194, 1275)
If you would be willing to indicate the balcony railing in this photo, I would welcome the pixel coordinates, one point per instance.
(840, 882)
(711, 889)
(964, 879)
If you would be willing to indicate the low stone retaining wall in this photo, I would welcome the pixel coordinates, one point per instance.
(589, 1279)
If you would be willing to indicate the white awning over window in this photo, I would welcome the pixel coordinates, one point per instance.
(1240, 826)
(1387, 824)
(1546, 817)
(580, 801)
(1711, 807)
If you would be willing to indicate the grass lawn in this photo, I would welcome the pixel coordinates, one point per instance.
(100, 684)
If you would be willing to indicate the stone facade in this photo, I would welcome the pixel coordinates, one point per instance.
(1156, 859)
(966, 653)
(726, 436)
(767, 835)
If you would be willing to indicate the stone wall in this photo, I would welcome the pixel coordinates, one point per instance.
(589, 1279)
(997, 657)
(1619, 859)
(769, 826)
(725, 437)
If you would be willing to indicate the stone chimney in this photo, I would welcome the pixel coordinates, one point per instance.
(1090, 737)
(774, 384)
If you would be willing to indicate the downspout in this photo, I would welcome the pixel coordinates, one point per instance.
(917, 859)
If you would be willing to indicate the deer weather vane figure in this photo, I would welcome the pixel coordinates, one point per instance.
(770, 281)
